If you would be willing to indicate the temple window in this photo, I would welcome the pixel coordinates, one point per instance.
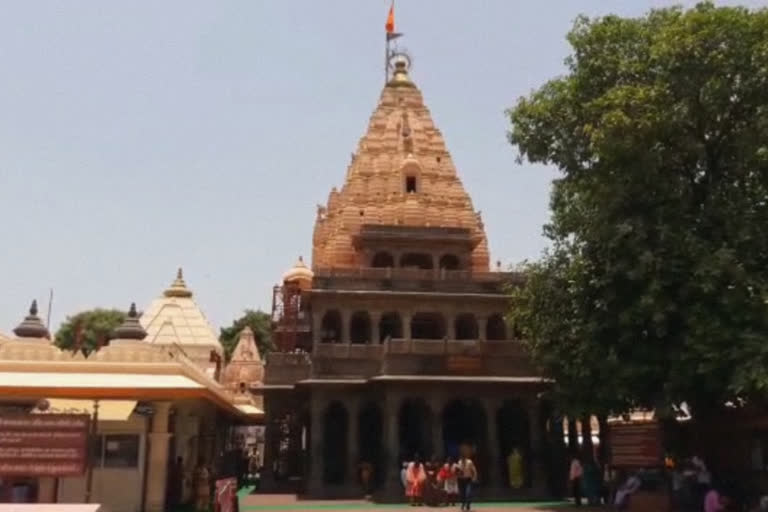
(416, 260)
(428, 326)
(410, 185)
(466, 327)
(450, 262)
(496, 329)
(382, 260)
(331, 327)
(360, 328)
(390, 326)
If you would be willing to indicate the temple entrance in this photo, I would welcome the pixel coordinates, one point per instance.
(513, 427)
(415, 430)
(465, 423)
(370, 440)
(335, 424)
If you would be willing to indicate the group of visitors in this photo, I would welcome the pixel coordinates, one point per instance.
(434, 484)
(587, 481)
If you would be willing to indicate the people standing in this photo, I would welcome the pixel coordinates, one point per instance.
(415, 477)
(202, 487)
(574, 476)
(515, 469)
(448, 477)
(467, 475)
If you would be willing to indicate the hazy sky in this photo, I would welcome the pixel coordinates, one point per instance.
(136, 137)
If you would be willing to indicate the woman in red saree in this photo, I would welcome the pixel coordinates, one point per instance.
(415, 477)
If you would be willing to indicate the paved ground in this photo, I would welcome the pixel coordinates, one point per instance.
(289, 503)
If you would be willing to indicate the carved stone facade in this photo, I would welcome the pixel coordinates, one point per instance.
(401, 175)
(403, 344)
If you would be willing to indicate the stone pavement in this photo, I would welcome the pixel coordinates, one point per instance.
(289, 503)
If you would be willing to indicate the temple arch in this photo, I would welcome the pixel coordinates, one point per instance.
(450, 262)
(331, 327)
(513, 427)
(370, 439)
(496, 328)
(418, 260)
(428, 326)
(360, 327)
(335, 428)
(465, 425)
(383, 259)
(466, 327)
(390, 326)
(415, 428)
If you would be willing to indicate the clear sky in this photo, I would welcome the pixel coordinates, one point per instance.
(136, 137)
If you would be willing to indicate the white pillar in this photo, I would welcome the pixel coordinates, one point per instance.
(157, 465)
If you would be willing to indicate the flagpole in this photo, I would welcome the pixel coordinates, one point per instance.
(386, 59)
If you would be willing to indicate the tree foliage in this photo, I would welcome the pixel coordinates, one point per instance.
(94, 326)
(258, 321)
(654, 289)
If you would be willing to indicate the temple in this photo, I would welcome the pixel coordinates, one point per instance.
(160, 400)
(394, 344)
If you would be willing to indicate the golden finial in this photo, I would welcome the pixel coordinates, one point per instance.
(178, 287)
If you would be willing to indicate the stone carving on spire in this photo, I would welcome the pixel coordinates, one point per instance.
(378, 177)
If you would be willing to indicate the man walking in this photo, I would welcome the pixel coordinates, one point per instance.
(467, 475)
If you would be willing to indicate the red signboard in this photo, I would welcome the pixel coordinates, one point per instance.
(43, 445)
(636, 445)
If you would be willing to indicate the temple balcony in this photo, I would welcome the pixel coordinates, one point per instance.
(412, 280)
(422, 357)
(282, 368)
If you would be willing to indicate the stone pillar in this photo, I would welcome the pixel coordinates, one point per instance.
(436, 416)
(345, 319)
(450, 327)
(317, 328)
(406, 317)
(392, 489)
(482, 325)
(317, 426)
(495, 457)
(353, 455)
(157, 465)
(270, 442)
(537, 465)
(375, 335)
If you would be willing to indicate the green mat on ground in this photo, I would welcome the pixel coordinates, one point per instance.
(375, 506)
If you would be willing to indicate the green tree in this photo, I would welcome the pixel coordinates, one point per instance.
(261, 324)
(654, 290)
(93, 328)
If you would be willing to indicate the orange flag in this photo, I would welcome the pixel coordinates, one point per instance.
(390, 26)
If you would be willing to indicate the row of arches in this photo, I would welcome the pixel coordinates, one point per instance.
(461, 422)
(423, 261)
(423, 325)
